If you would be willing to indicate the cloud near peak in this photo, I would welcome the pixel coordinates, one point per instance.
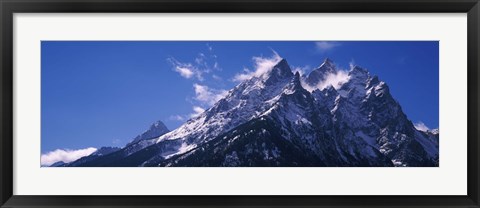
(196, 111)
(207, 95)
(262, 66)
(336, 80)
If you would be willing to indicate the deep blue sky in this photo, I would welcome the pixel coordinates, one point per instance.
(104, 93)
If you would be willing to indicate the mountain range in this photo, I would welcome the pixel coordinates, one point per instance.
(283, 119)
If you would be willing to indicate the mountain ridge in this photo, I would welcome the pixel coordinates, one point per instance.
(273, 120)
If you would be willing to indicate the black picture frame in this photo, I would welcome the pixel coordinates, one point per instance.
(9, 7)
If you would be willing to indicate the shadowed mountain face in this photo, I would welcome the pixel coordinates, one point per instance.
(273, 120)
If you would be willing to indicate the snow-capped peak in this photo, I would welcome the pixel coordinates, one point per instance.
(321, 73)
(156, 129)
(280, 71)
(372, 81)
(349, 119)
(327, 63)
(157, 125)
(358, 72)
(246, 101)
(294, 85)
(296, 79)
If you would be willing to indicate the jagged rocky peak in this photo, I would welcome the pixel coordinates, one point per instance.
(294, 85)
(319, 74)
(327, 96)
(158, 126)
(372, 81)
(381, 88)
(279, 72)
(296, 79)
(272, 120)
(282, 64)
(328, 63)
(359, 73)
(330, 91)
(157, 129)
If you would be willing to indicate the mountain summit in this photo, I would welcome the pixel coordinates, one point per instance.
(319, 74)
(272, 120)
(156, 129)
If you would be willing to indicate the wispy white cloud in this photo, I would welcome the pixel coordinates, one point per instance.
(324, 46)
(197, 110)
(203, 63)
(336, 80)
(301, 69)
(209, 47)
(186, 70)
(242, 77)
(262, 66)
(421, 126)
(216, 77)
(216, 66)
(200, 59)
(208, 96)
(352, 64)
(177, 118)
(65, 155)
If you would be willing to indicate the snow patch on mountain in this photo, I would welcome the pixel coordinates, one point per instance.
(421, 126)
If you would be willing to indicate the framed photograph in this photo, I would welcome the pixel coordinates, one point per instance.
(239, 104)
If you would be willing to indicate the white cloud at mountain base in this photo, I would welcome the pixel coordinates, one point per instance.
(65, 155)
